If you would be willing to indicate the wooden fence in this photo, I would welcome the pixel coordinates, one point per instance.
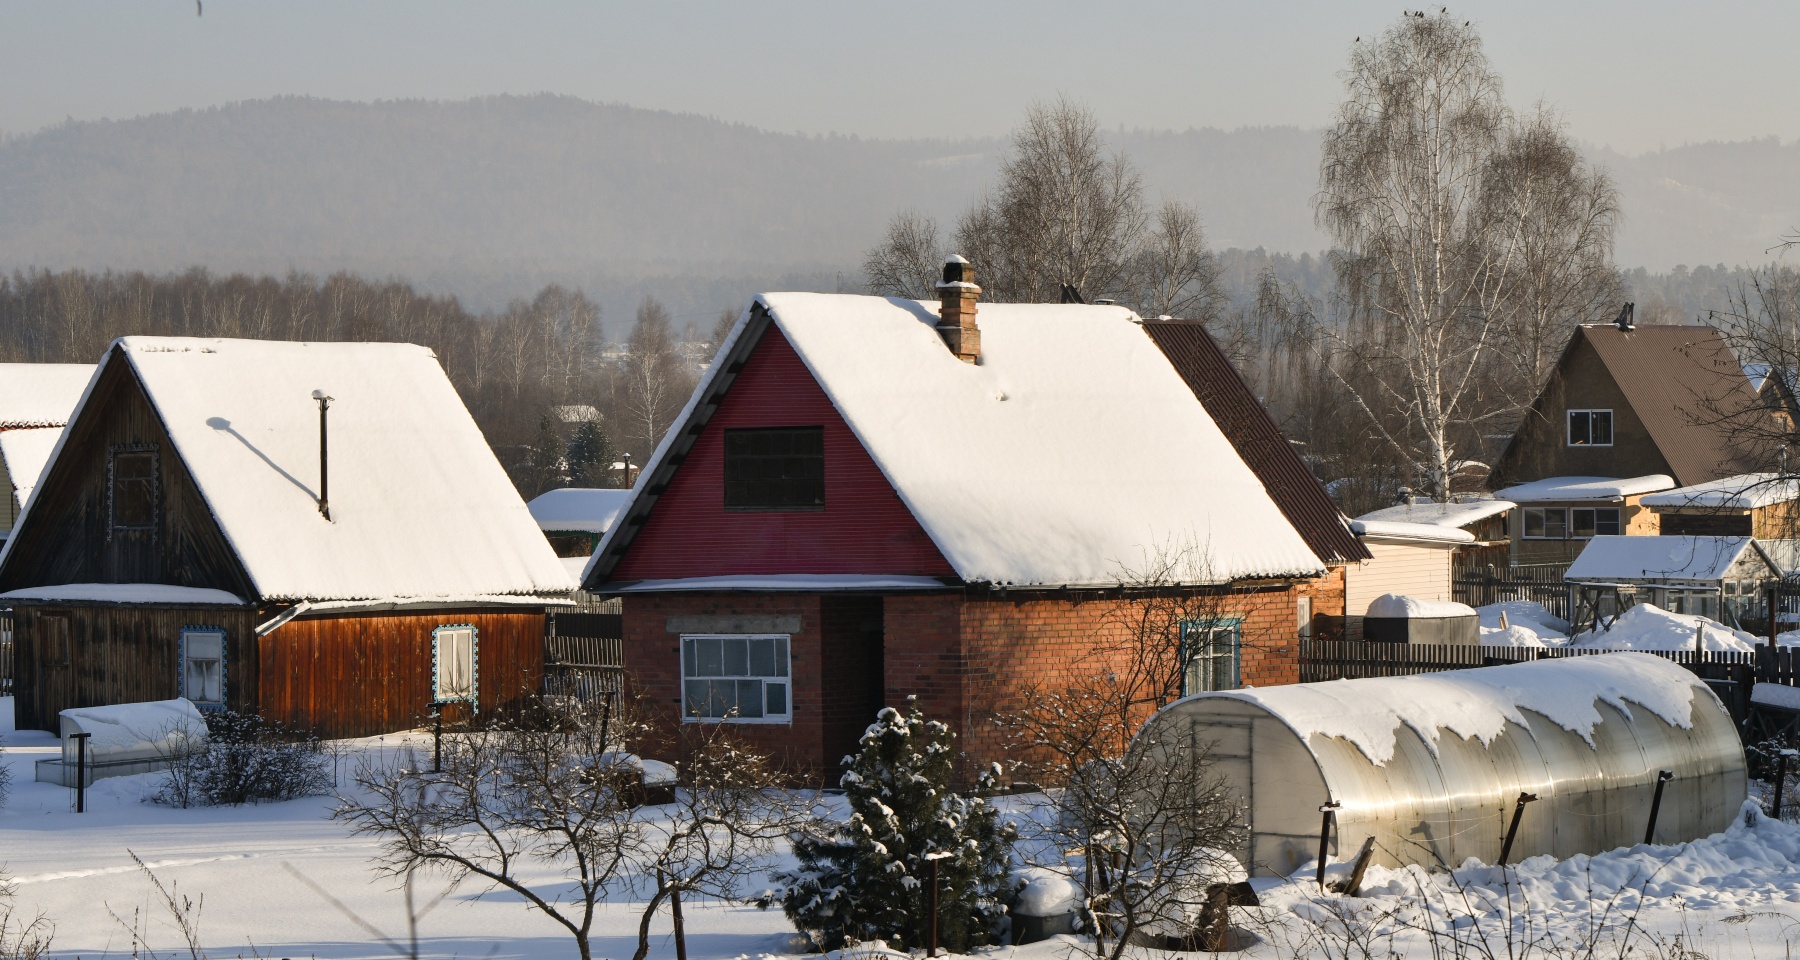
(584, 656)
(1540, 583)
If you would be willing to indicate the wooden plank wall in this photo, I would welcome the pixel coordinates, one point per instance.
(358, 675)
(118, 654)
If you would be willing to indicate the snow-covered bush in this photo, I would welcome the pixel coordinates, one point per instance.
(245, 760)
(870, 879)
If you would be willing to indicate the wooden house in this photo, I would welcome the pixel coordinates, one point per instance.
(868, 499)
(1556, 517)
(1760, 505)
(35, 402)
(313, 532)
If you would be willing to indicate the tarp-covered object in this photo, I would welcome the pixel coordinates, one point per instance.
(156, 730)
(1431, 766)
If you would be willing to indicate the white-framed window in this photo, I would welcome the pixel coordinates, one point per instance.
(741, 678)
(1544, 523)
(454, 662)
(1586, 523)
(1211, 652)
(203, 666)
(1590, 428)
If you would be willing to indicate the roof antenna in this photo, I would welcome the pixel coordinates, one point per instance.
(1627, 317)
(324, 474)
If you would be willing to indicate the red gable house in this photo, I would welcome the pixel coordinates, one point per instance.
(867, 499)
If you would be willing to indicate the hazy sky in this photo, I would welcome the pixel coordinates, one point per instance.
(1635, 76)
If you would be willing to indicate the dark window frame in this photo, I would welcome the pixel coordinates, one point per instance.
(774, 469)
(114, 523)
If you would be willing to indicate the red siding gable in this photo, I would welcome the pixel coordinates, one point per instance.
(864, 528)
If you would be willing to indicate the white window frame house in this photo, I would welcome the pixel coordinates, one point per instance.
(772, 678)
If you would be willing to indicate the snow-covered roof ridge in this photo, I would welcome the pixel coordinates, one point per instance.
(419, 506)
(1745, 491)
(1398, 530)
(127, 593)
(41, 394)
(1070, 454)
(25, 452)
(1622, 558)
(578, 509)
(1479, 703)
(1552, 489)
(1457, 513)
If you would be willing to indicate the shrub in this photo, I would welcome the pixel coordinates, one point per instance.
(870, 879)
(246, 760)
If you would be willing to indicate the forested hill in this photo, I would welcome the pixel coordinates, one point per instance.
(492, 198)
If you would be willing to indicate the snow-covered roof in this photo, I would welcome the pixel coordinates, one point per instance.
(1413, 608)
(1072, 453)
(1458, 513)
(1553, 489)
(578, 509)
(41, 394)
(1479, 703)
(1742, 492)
(805, 582)
(127, 593)
(25, 452)
(419, 506)
(1620, 559)
(1394, 530)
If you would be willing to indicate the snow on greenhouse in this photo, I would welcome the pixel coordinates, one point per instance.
(1431, 766)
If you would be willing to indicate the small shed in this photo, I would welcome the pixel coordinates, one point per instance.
(1485, 519)
(574, 518)
(1714, 577)
(1758, 505)
(1393, 618)
(1413, 559)
(1431, 766)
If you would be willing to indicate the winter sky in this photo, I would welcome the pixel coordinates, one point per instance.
(1634, 75)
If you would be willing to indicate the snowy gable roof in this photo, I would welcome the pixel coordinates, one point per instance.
(1071, 454)
(1745, 491)
(578, 509)
(41, 394)
(24, 453)
(1553, 489)
(419, 506)
(1401, 530)
(1456, 514)
(1618, 559)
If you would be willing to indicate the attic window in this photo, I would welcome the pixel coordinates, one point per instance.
(775, 468)
(1590, 428)
(133, 490)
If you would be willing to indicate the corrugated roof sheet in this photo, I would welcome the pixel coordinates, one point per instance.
(1261, 444)
(1677, 379)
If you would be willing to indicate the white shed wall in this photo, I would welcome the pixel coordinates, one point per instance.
(1411, 569)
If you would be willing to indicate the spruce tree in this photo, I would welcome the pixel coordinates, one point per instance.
(869, 879)
(590, 456)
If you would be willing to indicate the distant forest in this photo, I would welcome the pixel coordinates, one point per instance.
(493, 198)
(526, 370)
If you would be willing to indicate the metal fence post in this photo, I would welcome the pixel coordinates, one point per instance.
(1662, 779)
(1328, 813)
(1513, 830)
(81, 770)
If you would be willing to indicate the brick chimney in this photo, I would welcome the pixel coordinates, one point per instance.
(957, 294)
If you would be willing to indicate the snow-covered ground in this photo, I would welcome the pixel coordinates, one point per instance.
(1643, 627)
(1735, 896)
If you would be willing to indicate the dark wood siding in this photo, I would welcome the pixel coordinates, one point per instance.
(66, 538)
(365, 674)
(118, 654)
(864, 527)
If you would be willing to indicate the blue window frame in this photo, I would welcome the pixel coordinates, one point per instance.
(1211, 654)
(455, 663)
(201, 674)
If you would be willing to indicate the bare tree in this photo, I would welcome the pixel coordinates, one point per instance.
(907, 261)
(1177, 274)
(1431, 198)
(655, 381)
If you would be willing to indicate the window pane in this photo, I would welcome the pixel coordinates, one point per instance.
(1600, 427)
(1534, 523)
(1606, 523)
(781, 656)
(775, 468)
(719, 696)
(776, 695)
(710, 655)
(1578, 427)
(694, 694)
(203, 646)
(737, 657)
(1583, 525)
(690, 665)
(762, 657)
(750, 699)
(133, 490)
(1555, 524)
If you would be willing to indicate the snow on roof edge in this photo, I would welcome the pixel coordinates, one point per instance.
(1400, 530)
(56, 451)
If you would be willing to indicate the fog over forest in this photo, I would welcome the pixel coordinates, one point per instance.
(492, 199)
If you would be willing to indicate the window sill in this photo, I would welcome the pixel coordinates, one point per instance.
(746, 721)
